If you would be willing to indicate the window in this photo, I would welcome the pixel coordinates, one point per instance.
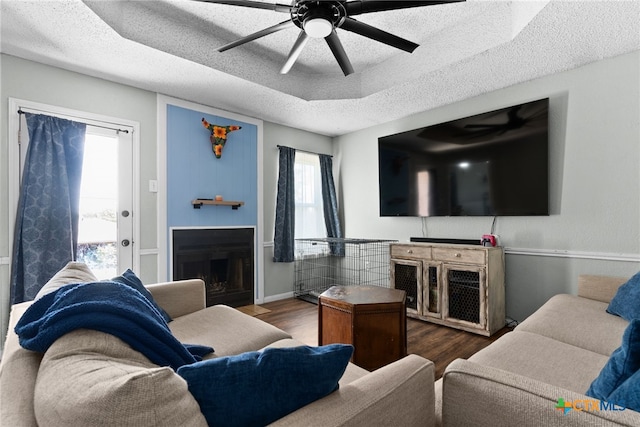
(308, 197)
(308, 204)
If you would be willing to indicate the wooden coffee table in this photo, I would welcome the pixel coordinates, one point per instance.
(371, 318)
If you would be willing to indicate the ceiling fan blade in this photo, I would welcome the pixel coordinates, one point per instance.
(377, 34)
(364, 6)
(301, 41)
(257, 35)
(338, 51)
(278, 7)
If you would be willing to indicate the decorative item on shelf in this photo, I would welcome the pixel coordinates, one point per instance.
(218, 198)
(218, 136)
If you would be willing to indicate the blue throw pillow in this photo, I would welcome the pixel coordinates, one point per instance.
(623, 363)
(628, 394)
(626, 302)
(129, 278)
(257, 388)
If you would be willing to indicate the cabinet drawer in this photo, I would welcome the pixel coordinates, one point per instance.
(465, 256)
(410, 251)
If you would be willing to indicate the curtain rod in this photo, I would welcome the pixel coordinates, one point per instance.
(305, 151)
(63, 116)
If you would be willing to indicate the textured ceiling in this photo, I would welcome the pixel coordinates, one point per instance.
(466, 49)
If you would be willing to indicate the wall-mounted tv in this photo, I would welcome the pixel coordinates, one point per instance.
(490, 164)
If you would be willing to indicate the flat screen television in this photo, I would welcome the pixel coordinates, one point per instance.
(490, 164)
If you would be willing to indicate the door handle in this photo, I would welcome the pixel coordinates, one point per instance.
(125, 242)
(125, 213)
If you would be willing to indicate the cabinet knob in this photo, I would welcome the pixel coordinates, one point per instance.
(458, 255)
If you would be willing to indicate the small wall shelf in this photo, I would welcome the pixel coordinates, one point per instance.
(197, 203)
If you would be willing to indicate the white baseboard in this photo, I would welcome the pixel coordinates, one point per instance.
(278, 297)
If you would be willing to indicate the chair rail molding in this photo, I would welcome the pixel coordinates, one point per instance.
(560, 253)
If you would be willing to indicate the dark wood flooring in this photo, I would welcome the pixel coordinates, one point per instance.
(440, 344)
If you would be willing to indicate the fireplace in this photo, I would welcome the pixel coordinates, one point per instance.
(222, 257)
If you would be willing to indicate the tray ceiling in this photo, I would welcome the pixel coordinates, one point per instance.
(466, 49)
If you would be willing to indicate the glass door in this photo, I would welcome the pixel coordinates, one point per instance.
(106, 226)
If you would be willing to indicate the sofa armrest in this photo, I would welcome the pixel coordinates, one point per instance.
(599, 288)
(478, 395)
(18, 373)
(179, 297)
(399, 394)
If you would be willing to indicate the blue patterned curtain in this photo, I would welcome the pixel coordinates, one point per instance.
(46, 233)
(330, 206)
(284, 236)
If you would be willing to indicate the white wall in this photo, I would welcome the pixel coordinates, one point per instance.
(594, 175)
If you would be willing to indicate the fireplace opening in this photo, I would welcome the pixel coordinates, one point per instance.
(222, 258)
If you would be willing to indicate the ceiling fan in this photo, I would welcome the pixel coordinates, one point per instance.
(320, 19)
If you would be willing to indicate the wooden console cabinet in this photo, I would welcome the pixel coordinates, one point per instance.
(461, 286)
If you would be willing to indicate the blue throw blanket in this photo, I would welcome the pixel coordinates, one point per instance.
(109, 307)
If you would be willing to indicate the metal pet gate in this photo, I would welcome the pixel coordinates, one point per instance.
(321, 263)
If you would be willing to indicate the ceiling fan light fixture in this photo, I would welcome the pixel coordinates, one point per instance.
(318, 28)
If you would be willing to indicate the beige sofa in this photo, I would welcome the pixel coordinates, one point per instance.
(555, 353)
(91, 378)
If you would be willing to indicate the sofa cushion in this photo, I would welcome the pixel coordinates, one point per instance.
(73, 272)
(481, 396)
(626, 302)
(543, 359)
(130, 279)
(257, 388)
(599, 288)
(92, 378)
(581, 322)
(226, 329)
(622, 364)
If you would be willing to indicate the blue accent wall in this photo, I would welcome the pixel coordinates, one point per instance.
(194, 172)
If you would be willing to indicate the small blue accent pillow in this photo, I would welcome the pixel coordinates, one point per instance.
(623, 363)
(129, 278)
(258, 388)
(626, 302)
(628, 394)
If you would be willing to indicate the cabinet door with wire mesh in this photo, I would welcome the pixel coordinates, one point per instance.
(406, 275)
(464, 298)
